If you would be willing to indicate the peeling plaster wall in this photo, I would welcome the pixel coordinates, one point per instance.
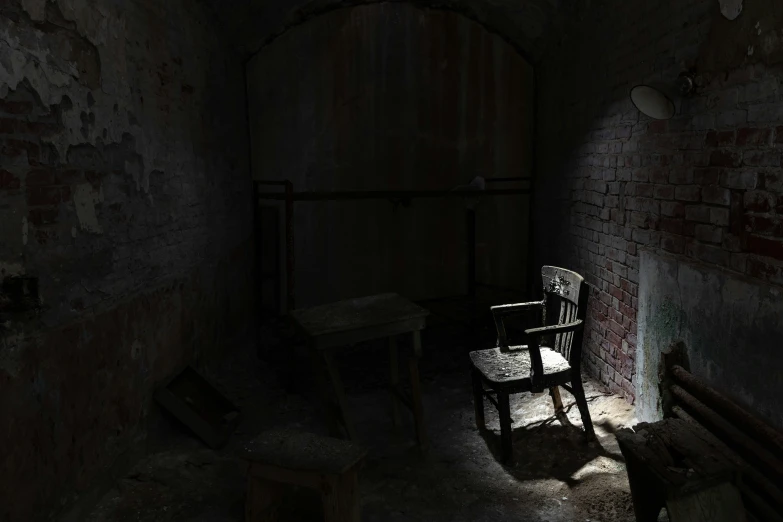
(390, 97)
(124, 191)
(730, 326)
(705, 185)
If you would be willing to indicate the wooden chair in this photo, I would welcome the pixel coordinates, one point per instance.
(283, 457)
(551, 358)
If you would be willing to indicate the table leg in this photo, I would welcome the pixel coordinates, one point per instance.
(394, 380)
(337, 387)
(418, 410)
(329, 407)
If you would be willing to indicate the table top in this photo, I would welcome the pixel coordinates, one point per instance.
(359, 313)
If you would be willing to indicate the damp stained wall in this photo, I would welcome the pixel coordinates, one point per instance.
(392, 97)
(705, 185)
(124, 192)
(730, 326)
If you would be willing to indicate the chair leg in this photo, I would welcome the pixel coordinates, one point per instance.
(478, 399)
(506, 448)
(557, 402)
(581, 402)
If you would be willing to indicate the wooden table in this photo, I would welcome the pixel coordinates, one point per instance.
(335, 325)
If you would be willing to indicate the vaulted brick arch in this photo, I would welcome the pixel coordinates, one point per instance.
(524, 24)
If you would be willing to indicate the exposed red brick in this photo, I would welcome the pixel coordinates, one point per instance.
(671, 225)
(753, 136)
(706, 176)
(664, 192)
(716, 195)
(765, 246)
(725, 158)
(42, 216)
(758, 201)
(762, 269)
(761, 158)
(8, 181)
(94, 178)
(708, 233)
(68, 177)
(16, 107)
(44, 196)
(687, 193)
(719, 139)
(39, 177)
(659, 175)
(672, 209)
(764, 225)
(658, 126)
(672, 243)
(699, 213)
(8, 126)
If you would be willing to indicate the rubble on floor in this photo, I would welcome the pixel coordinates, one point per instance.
(558, 475)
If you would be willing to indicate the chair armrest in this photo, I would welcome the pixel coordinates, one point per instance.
(509, 309)
(556, 329)
(537, 367)
(501, 311)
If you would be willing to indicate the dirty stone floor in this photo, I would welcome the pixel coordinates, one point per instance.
(558, 475)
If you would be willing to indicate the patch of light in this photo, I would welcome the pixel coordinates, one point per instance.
(599, 465)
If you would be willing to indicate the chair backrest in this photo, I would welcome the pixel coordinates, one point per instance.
(566, 296)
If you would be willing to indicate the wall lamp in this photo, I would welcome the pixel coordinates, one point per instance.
(656, 102)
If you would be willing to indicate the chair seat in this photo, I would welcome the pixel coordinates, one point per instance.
(513, 367)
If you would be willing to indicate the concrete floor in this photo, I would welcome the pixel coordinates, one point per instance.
(558, 476)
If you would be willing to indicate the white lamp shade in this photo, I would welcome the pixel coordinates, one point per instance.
(652, 102)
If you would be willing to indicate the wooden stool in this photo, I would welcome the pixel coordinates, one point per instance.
(287, 457)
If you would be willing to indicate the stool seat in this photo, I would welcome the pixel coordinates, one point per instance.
(291, 457)
(302, 451)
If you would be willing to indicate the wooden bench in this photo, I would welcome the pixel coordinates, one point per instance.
(733, 436)
(283, 457)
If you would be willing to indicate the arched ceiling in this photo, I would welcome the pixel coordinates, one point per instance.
(525, 24)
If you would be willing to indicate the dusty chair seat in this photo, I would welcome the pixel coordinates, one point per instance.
(503, 369)
(282, 457)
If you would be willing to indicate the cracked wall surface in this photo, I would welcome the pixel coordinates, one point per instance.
(704, 186)
(124, 194)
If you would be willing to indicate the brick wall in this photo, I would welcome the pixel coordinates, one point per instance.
(124, 192)
(706, 185)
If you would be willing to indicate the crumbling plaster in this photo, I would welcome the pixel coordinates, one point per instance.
(124, 190)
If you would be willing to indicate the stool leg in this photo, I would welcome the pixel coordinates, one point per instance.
(418, 409)
(341, 498)
(506, 445)
(263, 500)
(394, 378)
(329, 406)
(478, 399)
